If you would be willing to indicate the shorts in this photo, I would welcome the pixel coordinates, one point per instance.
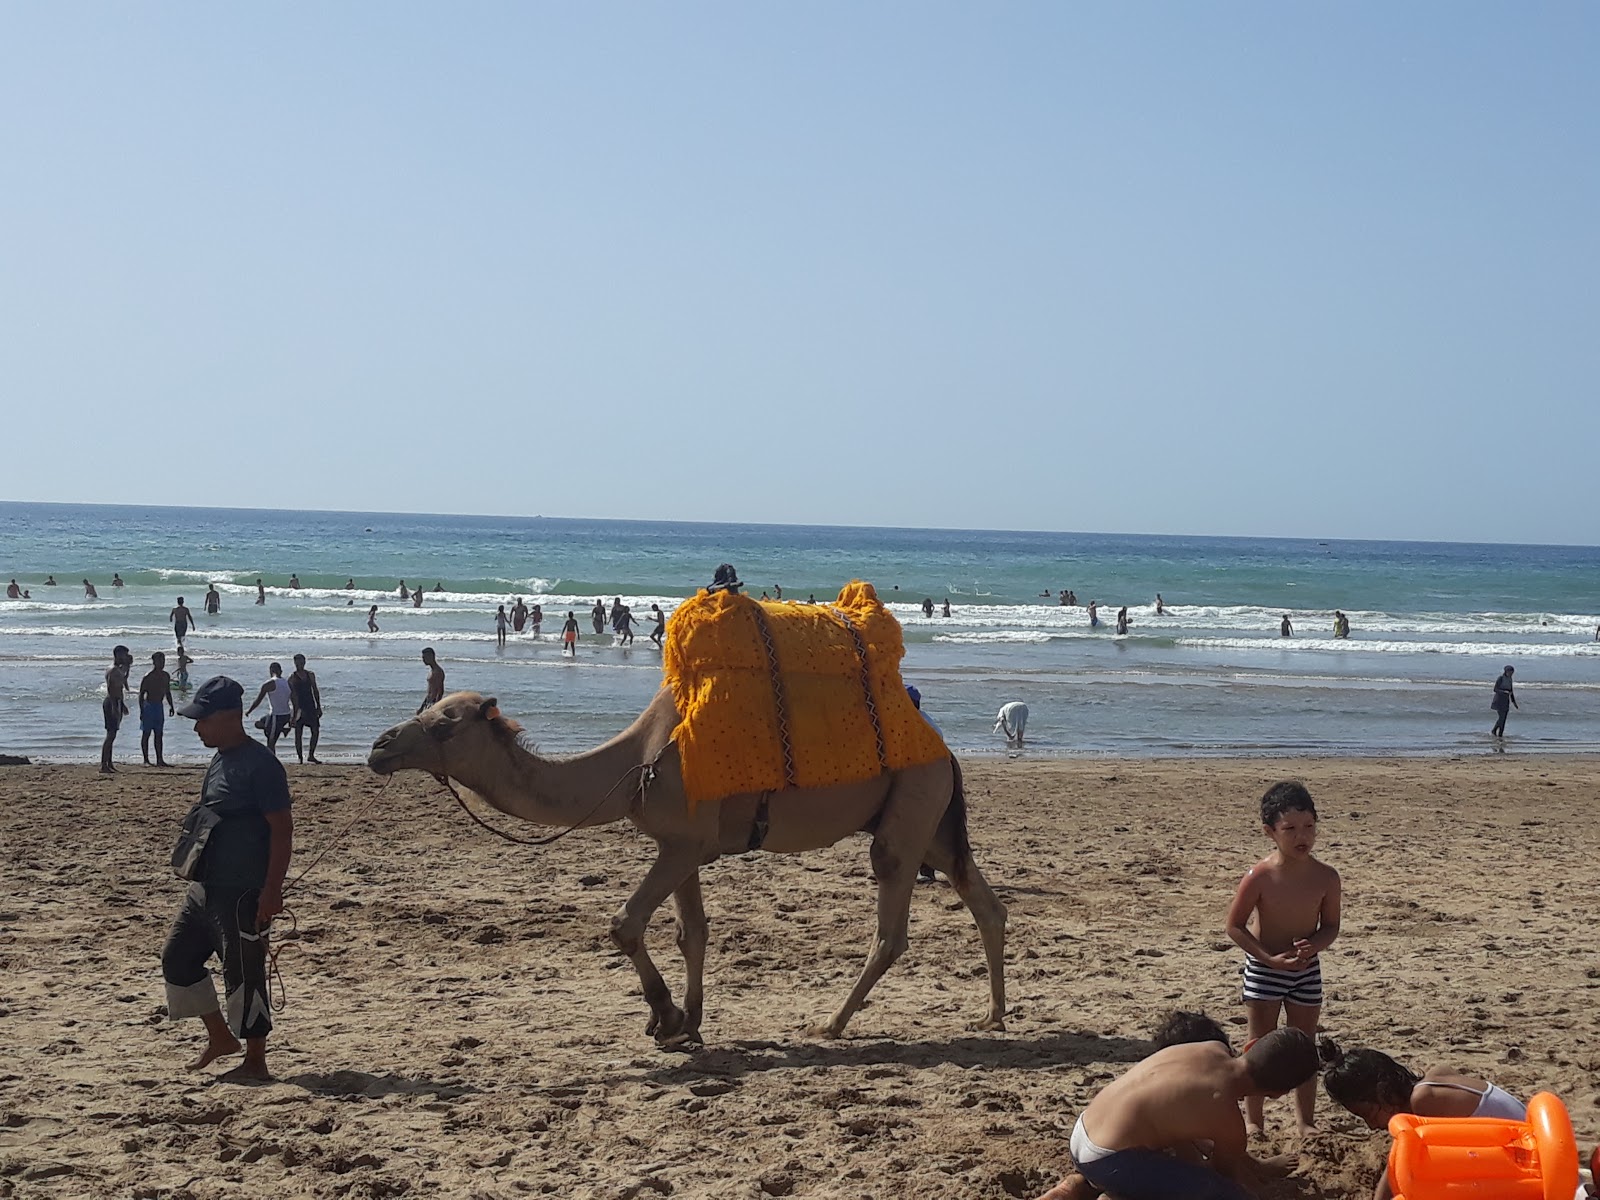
(309, 720)
(1141, 1174)
(273, 725)
(1262, 982)
(152, 717)
(570, 637)
(111, 711)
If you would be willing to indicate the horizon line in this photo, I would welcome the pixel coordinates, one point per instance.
(342, 512)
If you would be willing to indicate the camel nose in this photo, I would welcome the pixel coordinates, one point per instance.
(380, 747)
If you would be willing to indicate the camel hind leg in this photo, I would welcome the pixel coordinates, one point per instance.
(990, 916)
(905, 827)
(951, 852)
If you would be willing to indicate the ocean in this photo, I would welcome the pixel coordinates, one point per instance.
(1432, 624)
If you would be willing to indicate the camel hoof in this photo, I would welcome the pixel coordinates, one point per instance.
(827, 1033)
(670, 1026)
(990, 1025)
(687, 1040)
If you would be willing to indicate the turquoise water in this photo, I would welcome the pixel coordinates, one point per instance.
(1432, 624)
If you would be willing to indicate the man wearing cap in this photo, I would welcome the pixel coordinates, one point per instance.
(236, 888)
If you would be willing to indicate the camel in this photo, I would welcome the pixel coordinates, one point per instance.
(916, 815)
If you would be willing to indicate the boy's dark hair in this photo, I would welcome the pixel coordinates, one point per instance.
(1180, 1028)
(1365, 1076)
(1281, 798)
(1282, 1060)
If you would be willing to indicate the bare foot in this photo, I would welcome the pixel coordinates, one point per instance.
(108, 770)
(1278, 1165)
(1256, 1131)
(251, 1070)
(1073, 1187)
(216, 1048)
(1307, 1131)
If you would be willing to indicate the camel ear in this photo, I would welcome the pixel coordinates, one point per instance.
(489, 709)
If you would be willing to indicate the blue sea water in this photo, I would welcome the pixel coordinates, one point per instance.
(1432, 625)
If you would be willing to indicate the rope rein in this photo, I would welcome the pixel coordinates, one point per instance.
(647, 775)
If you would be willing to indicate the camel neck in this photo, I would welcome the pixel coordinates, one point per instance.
(597, 787)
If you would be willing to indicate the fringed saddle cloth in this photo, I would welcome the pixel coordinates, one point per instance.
(774, 695)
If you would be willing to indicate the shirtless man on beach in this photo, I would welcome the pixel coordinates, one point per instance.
(1140, 1138)
(154, 690)
(14, 591)
(435, 679)
(88, 591)
(213, 602)
(115, 705)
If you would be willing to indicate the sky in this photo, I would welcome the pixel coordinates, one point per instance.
(1244, 268)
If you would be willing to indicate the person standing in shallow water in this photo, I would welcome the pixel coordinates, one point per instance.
(435, 679)
(372, 619)
(1504, 698)
(261, 592)
(569, 636)
(598, 617)
(1285, 629)
(305, 707)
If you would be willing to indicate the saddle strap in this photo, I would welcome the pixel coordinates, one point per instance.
(866, 684)
(780, 698)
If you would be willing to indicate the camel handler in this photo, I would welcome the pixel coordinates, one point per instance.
(234, 850)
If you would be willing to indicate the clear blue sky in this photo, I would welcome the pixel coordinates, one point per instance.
(1236, 269)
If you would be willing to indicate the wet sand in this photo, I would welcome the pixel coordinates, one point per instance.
(459, 1025)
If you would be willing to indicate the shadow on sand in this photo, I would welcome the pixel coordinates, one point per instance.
(359, 1083)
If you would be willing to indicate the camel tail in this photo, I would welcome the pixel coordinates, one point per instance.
(953, 827)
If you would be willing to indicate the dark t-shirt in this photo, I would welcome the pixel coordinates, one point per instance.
(1502, 694)
(243, 785)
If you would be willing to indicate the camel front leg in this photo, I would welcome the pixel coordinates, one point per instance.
(692, 935)
(673, 865)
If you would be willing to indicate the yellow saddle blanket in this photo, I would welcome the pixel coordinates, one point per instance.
(775, 694)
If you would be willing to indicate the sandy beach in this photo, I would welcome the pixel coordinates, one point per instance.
(459, 1025)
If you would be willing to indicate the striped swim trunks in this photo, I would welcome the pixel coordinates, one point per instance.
(1262, 982)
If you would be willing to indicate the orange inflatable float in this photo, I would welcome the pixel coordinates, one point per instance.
(1476, 1158)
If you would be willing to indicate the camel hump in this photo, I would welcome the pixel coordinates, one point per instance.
(777, 695)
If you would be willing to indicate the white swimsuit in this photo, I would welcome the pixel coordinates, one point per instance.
(1492, 1101)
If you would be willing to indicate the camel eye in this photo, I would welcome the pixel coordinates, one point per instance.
(441, 731)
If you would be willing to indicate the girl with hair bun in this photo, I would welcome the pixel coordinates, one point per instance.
(1375, 1087)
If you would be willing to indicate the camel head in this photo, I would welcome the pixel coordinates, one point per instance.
(461, 728)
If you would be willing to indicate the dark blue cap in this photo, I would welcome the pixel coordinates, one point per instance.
(217, 694)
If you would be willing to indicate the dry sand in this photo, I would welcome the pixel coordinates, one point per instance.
(458, 1024)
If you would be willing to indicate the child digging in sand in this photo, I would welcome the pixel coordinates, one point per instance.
(1177, 1028)
(1140, 1138)
(1284, 914)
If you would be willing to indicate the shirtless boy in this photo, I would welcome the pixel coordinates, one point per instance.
(435, 679)
(1292, 901)
(155, 689)
(1139, 1138)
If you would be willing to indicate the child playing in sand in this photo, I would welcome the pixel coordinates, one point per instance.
(1292, 902)
(1177, 1028)
(1176, 1099)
